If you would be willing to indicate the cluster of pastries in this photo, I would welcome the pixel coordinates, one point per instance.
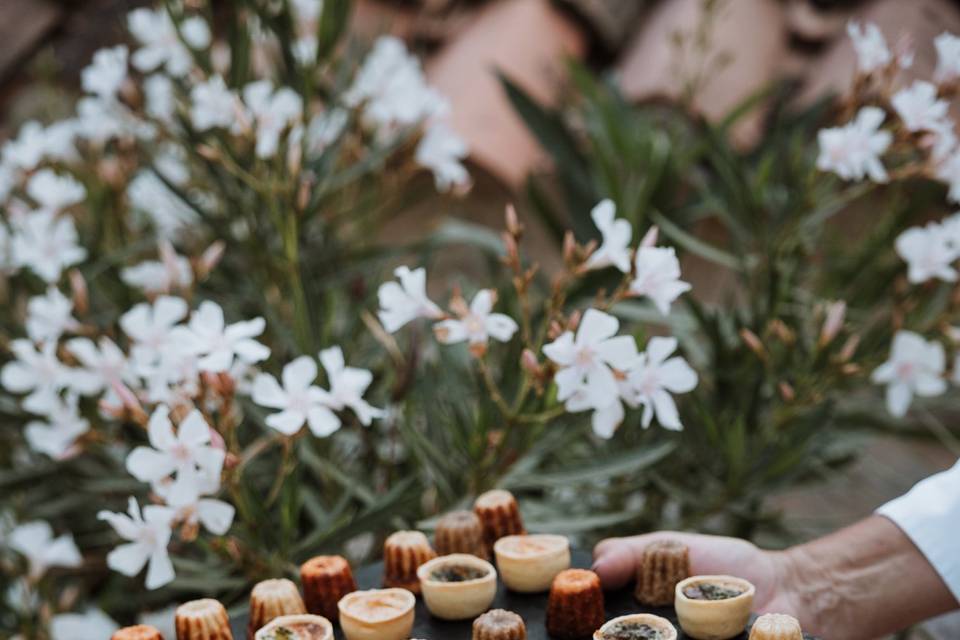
(457, 581)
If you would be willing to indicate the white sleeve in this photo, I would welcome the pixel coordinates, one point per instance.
(930, 516)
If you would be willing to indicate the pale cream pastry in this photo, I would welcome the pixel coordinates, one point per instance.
(302, 626)
(529, 563)
(575, 606)
(460, 532)
(403, 552)
(137, 632)
(325, 580)
(639, 626)
(713, 607)
(499, 625)
(271, 599)
(776, 626)
(378, 614)
(458, 586)
(204, 619)
(663, 565)
(500, 515)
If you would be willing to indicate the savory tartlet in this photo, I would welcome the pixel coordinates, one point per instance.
(529, 563)
(499, 624)
(378, 614)
(304, 626)
(500, 515)
(403, 553)
(713, 607)
(638, 626)
(575, 606)
(458, 586)
(460, 532)
(137, 632)
(776, 626)
(663, 565)
(204, 619)
(326, 579)
(271, 599)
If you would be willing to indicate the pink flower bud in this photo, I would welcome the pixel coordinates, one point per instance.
(836, 314)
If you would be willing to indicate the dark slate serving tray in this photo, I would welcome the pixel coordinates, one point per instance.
(531, 607)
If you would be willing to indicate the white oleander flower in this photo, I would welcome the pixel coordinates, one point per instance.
(35, 542)
(103, 367)
(148, 534)
(273, 112)
(614, 251)
(92, 624)
(655, 377)
(299, 400)
(182, 453)
(38, 373)
(46, 243)
(6, 251)
(920, 109)
(324, 129)
(213, 105)
(106, 74)
(928, 252)
(160, 98)
(477, 324)
(347, 386)
(150, 327)
(53, 191)
(948, 171)
(187, 497)
(442, 151)
(853, 151)
(586, 378)
(218, 343)
(405, 301)
(26, 150)
(161, 44)
(59, 140)
(165, 210)
(99, 121)
(57, 435)
(948, 58)
(50, 316)
(870, 46)
(657, 277)
(172, 272)
(915, 367)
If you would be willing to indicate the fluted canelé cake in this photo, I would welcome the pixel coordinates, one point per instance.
(664, 564)
(575, 606)
(461, 532)
(137, 632)
(500, 515)
(776, 626)
(271, 599)
(403, 553)
(326, 579)
(204, 619)
(499, 624)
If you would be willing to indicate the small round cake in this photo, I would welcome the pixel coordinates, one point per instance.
(457, 587)
(529, 563)
(713, 607)
(137, 632)
(403, 553)
(271, 599)
(575, 607)
(297, 627)
(378, 614)
(461, 532)
(638, 626)
(500, 515)
(204, 619)
(326, 579)
(499, 624)
(664, 564)
(776, 626)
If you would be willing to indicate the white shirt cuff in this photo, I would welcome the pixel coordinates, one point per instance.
(930, 516)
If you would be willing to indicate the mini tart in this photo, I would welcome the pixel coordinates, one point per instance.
(297, 627)
(529, 563)
(271, 599)
(403, 552)
(499, 625)
(378, 614)
(664, 564)
(204, 619)
(776, 626)
(639, 626)
(469, 594)
(500, 515)
(326, 579)
(575, 607)
(460, 532)
(714, 619)
(137, 632)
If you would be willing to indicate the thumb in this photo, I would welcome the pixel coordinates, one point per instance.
(615, 562)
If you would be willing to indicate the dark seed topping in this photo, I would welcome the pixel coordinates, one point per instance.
(708, 591)
(456, 573)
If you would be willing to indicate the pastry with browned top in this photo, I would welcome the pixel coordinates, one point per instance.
(776, 626)
(297, 627)
(500, 515)
(638, 626)
(499, 624)
(204, 619)
(461, 532)
(663, 565)
(575, 606)
(378, 614)
(137, 632)
(403, 553)
(326, 579)
(271, 599)
(713, 607)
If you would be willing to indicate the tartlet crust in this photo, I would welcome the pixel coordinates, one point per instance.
(311, 627)
(458, 600)
(531, 570)
(714, 619)
(358, 626)
(664, 626)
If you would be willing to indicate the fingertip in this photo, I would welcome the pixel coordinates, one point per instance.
(614, 563)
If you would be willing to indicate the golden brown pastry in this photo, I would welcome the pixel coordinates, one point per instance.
(271, 599)
(325, 580)
(575, 606)
(776, 626)
(664, 564)
(639, 626)
(499, 625)
(297, 627)
(204, 619)
(529, 563)
(461, 532)
(379, 614)
(137, 632)
(458, 587)
(500, 515)
(403, 553)
(713, 607)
